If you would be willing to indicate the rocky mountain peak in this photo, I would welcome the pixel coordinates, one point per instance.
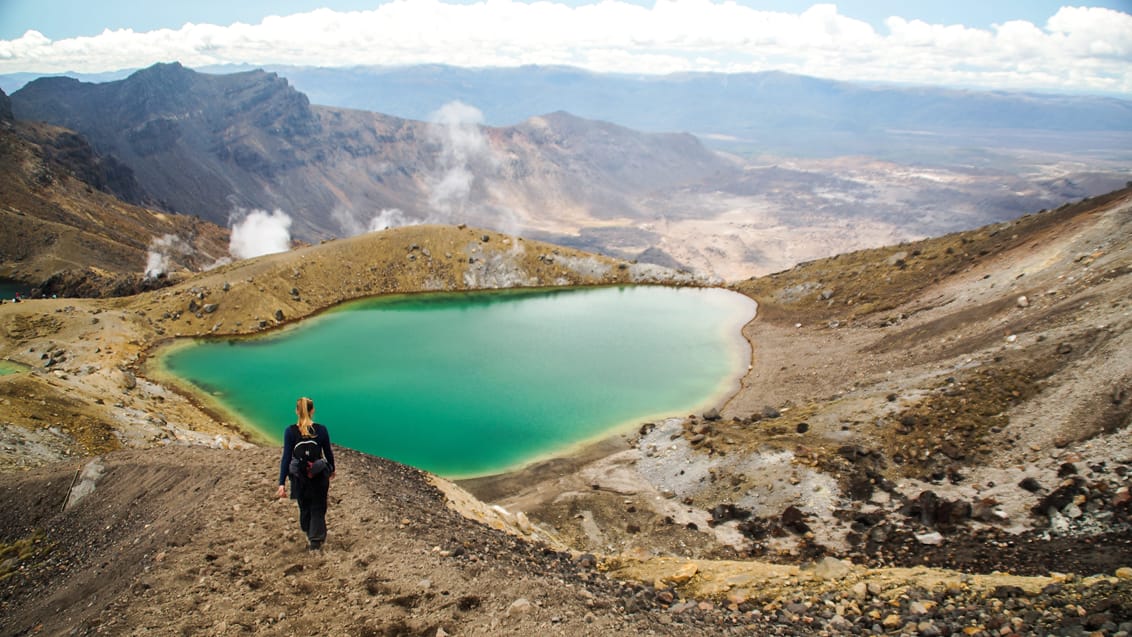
(235, 131)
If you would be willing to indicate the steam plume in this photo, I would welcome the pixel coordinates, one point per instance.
(456, 126)
(389, 218)
(259, 232)
(352, 224)
(161, 251)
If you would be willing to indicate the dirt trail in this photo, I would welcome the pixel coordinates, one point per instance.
(193, 541)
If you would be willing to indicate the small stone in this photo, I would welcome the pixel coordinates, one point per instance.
(932, 539)
(920, 607)
(684, 573)
(832, 568)
(1124, 572)
(586, 560)
(519, 607)
(1007, 592)
(1023, 301)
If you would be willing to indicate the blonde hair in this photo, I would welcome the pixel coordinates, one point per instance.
(304, 407)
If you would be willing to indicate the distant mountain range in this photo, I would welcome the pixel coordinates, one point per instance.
(813, 167)
(207, 145)
(768, 112)
(751, 113)
(715, 102)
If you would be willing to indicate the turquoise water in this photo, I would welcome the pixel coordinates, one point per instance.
(474, 384)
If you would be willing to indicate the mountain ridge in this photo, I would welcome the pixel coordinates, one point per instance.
(216, 145)
(64, 219)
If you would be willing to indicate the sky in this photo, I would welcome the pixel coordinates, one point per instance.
(997, 44)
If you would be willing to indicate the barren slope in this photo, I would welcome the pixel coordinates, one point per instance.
(878, 377)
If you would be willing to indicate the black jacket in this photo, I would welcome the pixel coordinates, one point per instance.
(292, 436)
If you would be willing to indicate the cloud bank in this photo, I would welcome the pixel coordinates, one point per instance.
(1077, 49)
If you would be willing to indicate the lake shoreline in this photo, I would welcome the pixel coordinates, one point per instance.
(559, 413)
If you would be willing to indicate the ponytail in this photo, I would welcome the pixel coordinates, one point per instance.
(304, 407)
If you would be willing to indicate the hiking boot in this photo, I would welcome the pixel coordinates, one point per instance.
(315, 546)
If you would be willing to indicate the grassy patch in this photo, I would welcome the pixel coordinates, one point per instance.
(23, 553)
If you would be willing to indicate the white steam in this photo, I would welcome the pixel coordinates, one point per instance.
(463, 150)
(353, 224)
(259, 232)
(161, 252)
(389, 218)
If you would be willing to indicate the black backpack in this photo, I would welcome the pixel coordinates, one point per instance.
(306, 459)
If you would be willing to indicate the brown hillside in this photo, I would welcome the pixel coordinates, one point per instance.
(54, 222)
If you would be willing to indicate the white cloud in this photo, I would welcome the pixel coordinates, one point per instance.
(1081, 49)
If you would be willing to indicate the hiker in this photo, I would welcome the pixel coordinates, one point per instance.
(309, 461)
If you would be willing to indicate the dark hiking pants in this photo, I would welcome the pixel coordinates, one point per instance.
(312, 519)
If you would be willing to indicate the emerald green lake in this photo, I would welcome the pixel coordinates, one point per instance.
(474, 384)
